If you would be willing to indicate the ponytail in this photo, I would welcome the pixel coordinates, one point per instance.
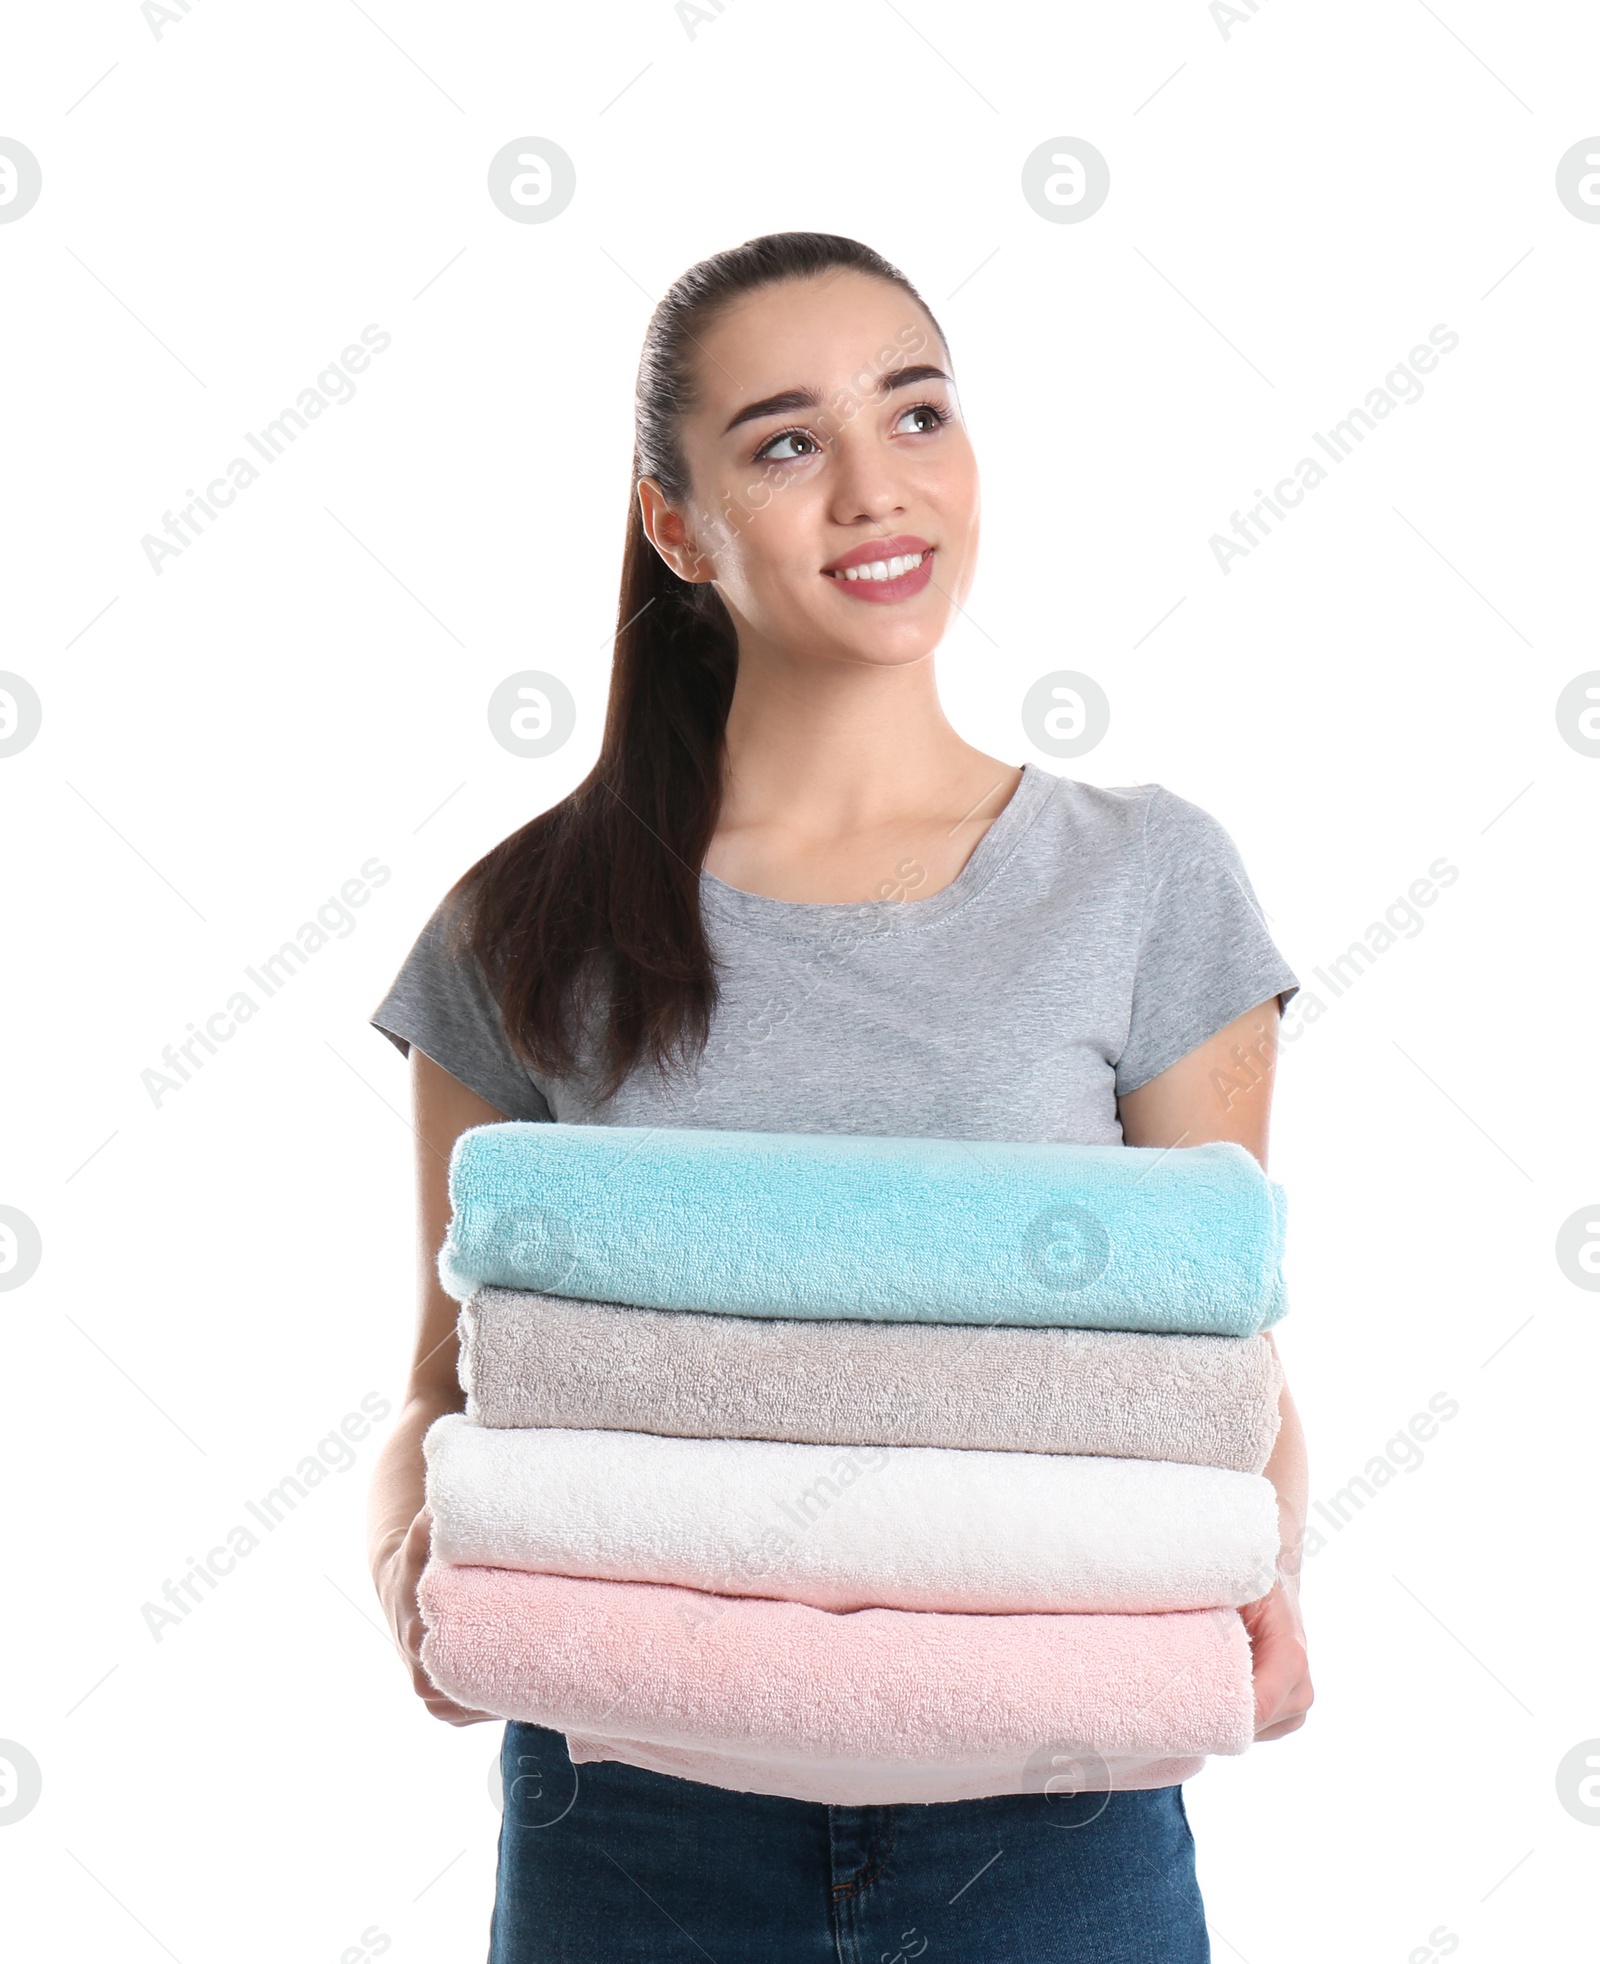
(587, 919)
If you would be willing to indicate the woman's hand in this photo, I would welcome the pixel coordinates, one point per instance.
(1278, 1662)
(396, 1577)
(399, 1526)
(1223, 1090)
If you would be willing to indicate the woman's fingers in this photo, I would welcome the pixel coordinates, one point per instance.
(441, 1707)
(1283, 1690)
(413, 1557)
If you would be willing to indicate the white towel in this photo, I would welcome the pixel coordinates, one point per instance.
(844, 1528)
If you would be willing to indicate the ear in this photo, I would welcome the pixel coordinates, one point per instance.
(666, 530)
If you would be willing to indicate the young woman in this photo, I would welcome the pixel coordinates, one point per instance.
(790, 897)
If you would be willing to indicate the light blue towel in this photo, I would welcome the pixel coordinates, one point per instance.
(1186, 1239)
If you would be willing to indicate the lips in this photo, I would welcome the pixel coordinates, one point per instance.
(883, 571)
(903, 545)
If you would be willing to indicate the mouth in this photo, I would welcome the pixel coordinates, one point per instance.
(884, 570)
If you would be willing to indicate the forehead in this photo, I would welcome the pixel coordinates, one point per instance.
(831, 331)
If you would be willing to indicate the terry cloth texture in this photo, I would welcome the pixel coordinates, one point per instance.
(828, 1224)
(1064, 1768)
(895, 1527)
(1093, 938)
(530, 1359)
(863, 1696)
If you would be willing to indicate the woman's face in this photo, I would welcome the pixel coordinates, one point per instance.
(826, 436)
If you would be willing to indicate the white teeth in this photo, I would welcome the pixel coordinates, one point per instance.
(883, 569)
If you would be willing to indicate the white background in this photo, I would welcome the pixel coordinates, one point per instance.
(1293, 205)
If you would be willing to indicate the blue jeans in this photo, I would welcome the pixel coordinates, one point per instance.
(610, 1864)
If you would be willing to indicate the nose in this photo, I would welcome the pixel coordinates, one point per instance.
(867, 486)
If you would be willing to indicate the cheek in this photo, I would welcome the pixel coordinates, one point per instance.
(770, 532)
(969, 480)
(956, 502)
(732, 517)
(950, 482)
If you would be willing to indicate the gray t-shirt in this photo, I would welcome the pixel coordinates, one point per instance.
(1094, 937)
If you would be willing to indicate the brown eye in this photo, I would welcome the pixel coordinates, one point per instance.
(768, 451)
(936, 417)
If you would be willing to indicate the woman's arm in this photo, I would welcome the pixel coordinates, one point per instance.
(1223, 1090)
(397, 1524)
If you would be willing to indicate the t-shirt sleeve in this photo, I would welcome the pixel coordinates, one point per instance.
(1205, 952)
(441, 1001)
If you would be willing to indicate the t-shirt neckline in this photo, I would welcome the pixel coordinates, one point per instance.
(762, 913)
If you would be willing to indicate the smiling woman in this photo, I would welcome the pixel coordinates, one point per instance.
(790, 898)
(836, 438)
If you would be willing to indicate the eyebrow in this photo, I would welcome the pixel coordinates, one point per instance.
(788, 399)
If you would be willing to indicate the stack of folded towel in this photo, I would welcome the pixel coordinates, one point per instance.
(802, 1462)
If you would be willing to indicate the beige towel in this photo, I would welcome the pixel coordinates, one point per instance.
(532, 1359)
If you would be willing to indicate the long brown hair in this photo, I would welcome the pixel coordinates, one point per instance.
(604, 887)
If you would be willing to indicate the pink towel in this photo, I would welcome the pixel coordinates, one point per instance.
(893, 1783)
(892, 1692)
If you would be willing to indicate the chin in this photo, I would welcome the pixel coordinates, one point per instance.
(909, 643)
